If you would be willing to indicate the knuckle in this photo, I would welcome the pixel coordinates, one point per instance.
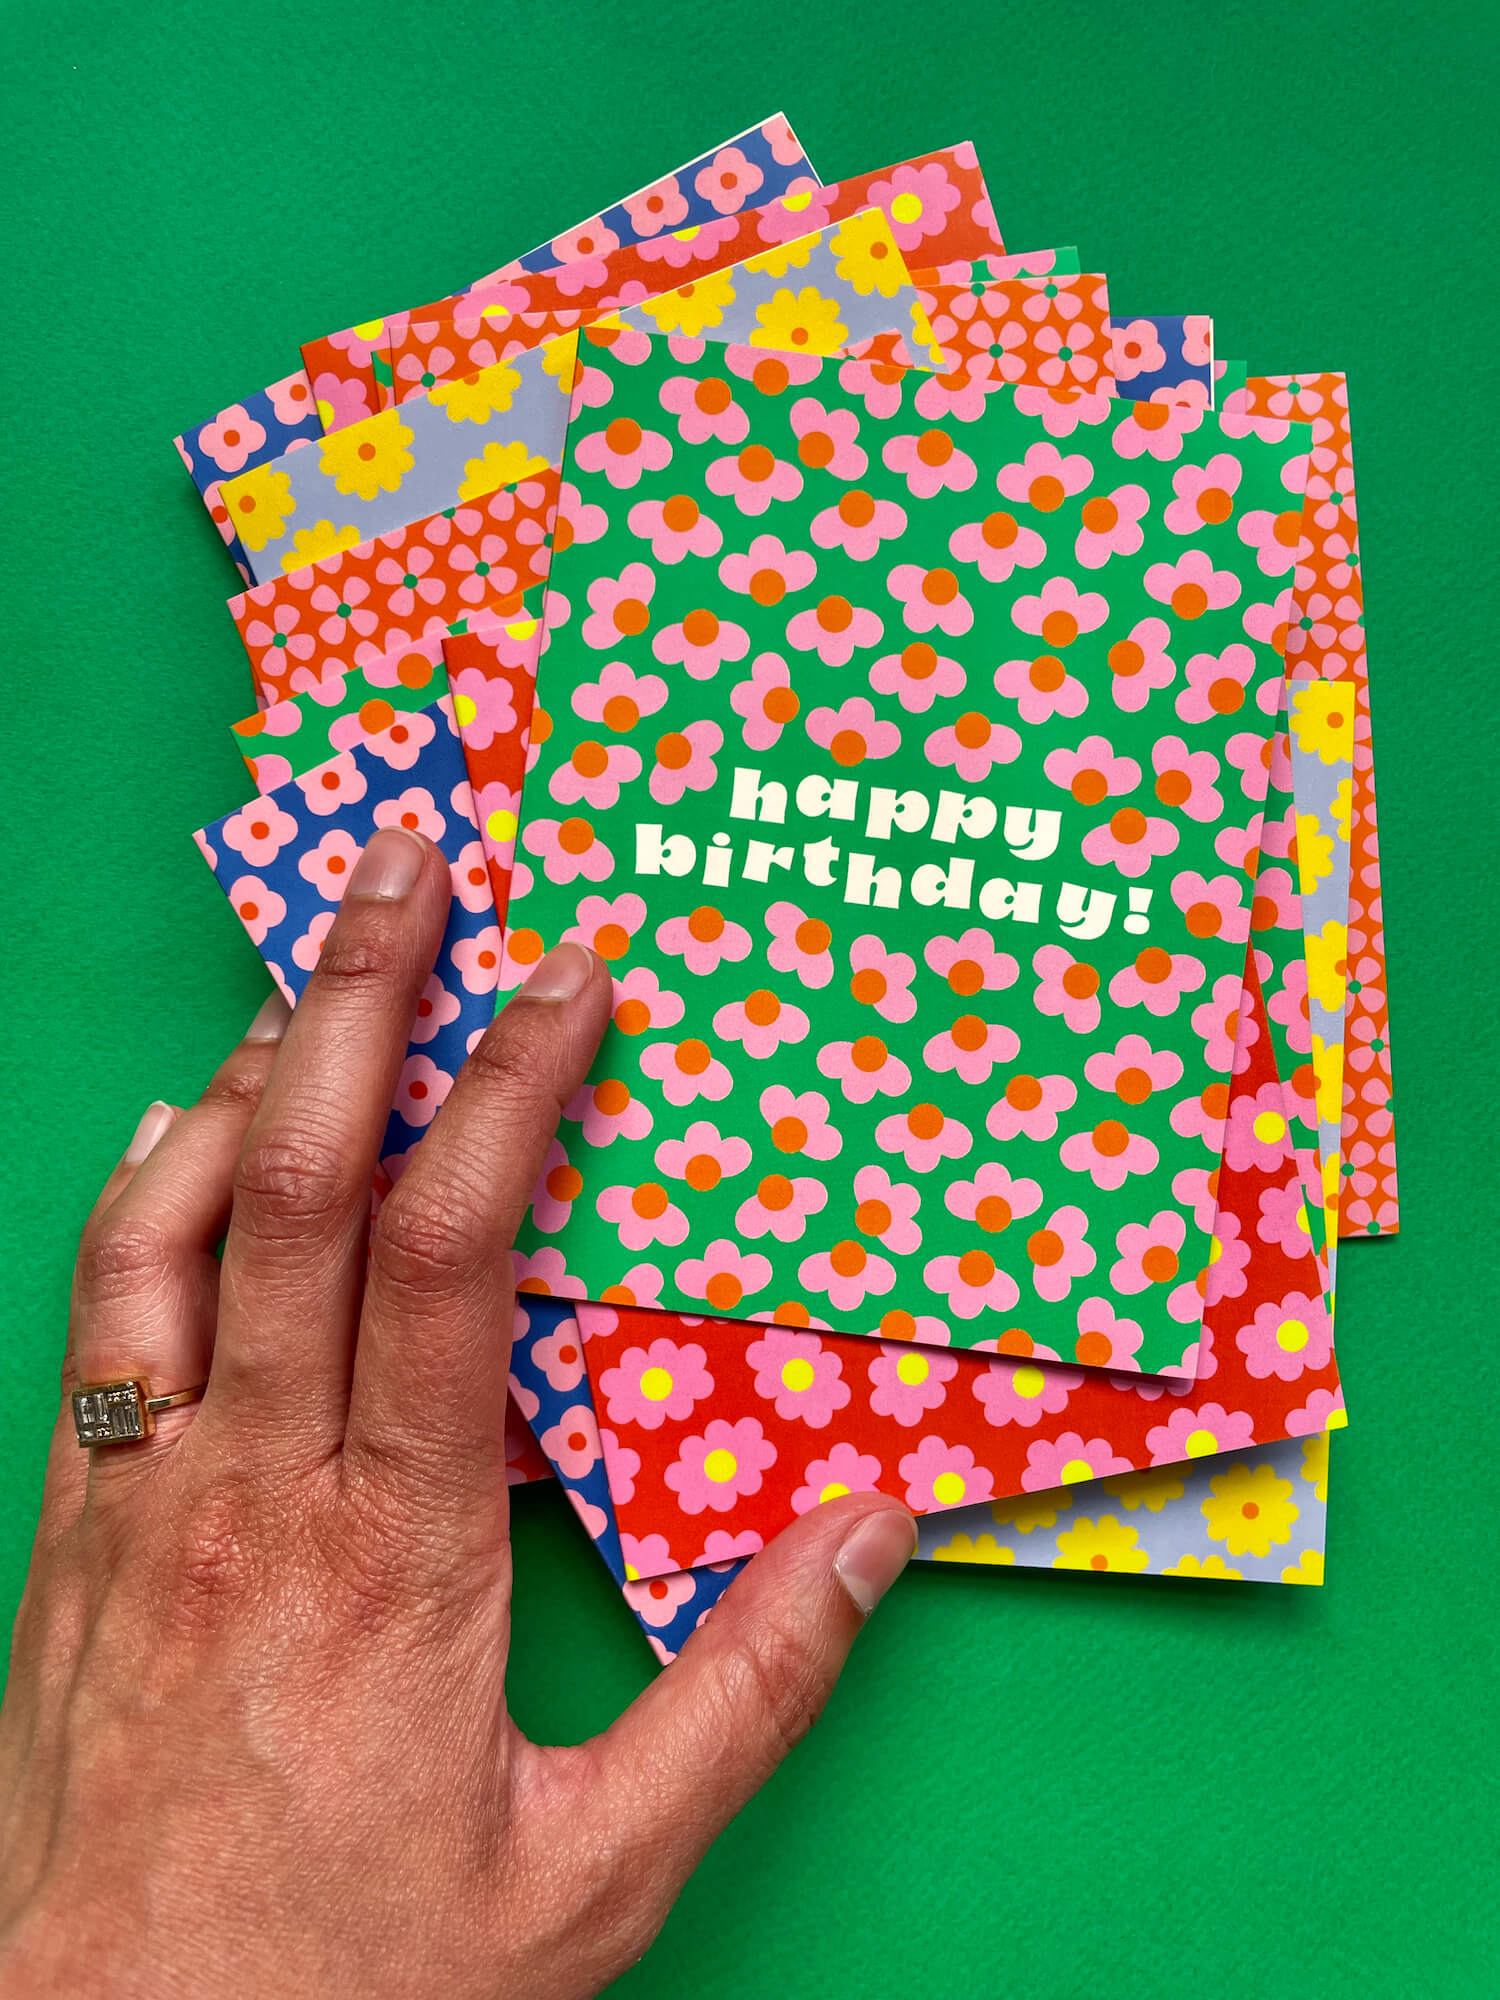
(291, 1184)
(511, 1066)
(776, 1674)
(358, 957)
(123, 1256)
(426, 1242)
(237, 1088)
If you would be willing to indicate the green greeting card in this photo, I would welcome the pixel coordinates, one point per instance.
(910, 776)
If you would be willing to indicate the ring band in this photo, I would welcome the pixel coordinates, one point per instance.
(123, 1412)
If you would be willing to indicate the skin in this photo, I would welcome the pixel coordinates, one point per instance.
(255, 1736)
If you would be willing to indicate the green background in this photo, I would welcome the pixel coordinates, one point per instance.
(1042, 1785)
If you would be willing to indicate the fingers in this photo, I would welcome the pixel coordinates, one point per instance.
(294, 1255)
(705, 1736)
(428, 1402)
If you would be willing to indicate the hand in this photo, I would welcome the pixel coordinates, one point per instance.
(255, 1738)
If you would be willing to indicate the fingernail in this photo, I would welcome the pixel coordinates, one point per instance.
(874, 1556)
(156, 1122)
(270, 1021)
(389, 866)
(565, 970)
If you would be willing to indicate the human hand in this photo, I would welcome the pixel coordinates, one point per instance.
(255, 1736)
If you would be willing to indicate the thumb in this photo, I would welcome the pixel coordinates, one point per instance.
(705, 1736)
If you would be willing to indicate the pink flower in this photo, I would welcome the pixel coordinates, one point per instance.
(660, 206)
(864, 1068)
(833, 628)
(1216, 683)
(1202, 1117)
(1105, 1339)
(972, 1283)
(773, 373)
(619, 698)
(704, 408)
(762, 1022)
(1323, 1411)
(647, 1385)
(768, 571)
(971, 964)
(942, 1475)
(1150, 1252)
(1109, 1154)
(1258, 1136)
(477, 960)
(1185, 778)
(308, 948)
(1156, 980)
(1068, 1461)
(258, 907)
(859, 524)
(588, 243)
(685, 761)
(1157, 427)
(607, 927)
(923, 1136)
(686, 1071)
(594, 774)
(1111, 526)
(231, 438)
(929, 599)
(918, 201)
(918, 675)
(971, 1048)
(328, 865)
(780, 1207)
(1217, 1020)
(415, 809)
(1041, 687)
(882, 979)
(1059, 1253)
(568, 849)
(1205, 494)
(642, 1215)
(607, 1112)
(800, 1123)
(753, 477)
(1283, 1220)
(1131, 840)
(1140, 664)
(704, 939)
(726, 184)
(559, 1354)
(1030, 1105)
(1192, 585)
(1133, 1069)
(845, 1470)
(1277, 539)
(766, 701)
(546, 1273)
(930, 463)
(1135, 350)
(724, 1276)
(876, 382)
(701, 643)
(1199, 1433)
(852, 732)
(909, 1382)
(973, 745)
(676, 528)
(1059, 612)
(1067, 986)
(1212, 908)
(420, 1090)
(799, 1375)
(1286, 1338)
(620, 607)
(558, 1186)
(799, 944)
(1023, 1392)
(887, 1210)
(572, 1443)
(828, 440)
(1044, 479)
(260, 830)
(281, 635)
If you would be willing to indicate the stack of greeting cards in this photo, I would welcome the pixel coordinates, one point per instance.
(940, 697)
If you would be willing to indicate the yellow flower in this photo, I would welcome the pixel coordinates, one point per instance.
(925, 341)
(1315, 1463)
(866, 256)
(1022, 1513)
(980, 1549)
(802, 322)
(1151, 1490)
(1308, 1568)
(500, 465)
(1342, 807)
(1250, 1506)
(1327, 969)
(260, 503)
(1328, 1068)
(369, 457)
(1323, 720)
(474, 399)
(692, 309)
(776, 263)
(1210, 1566)
(560, 361)
(1103, 1544)
(1314, 853)
(310, 545)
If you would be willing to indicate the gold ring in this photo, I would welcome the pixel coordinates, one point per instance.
(123, 1412)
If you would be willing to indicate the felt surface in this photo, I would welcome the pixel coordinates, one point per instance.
(1310, 1820)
